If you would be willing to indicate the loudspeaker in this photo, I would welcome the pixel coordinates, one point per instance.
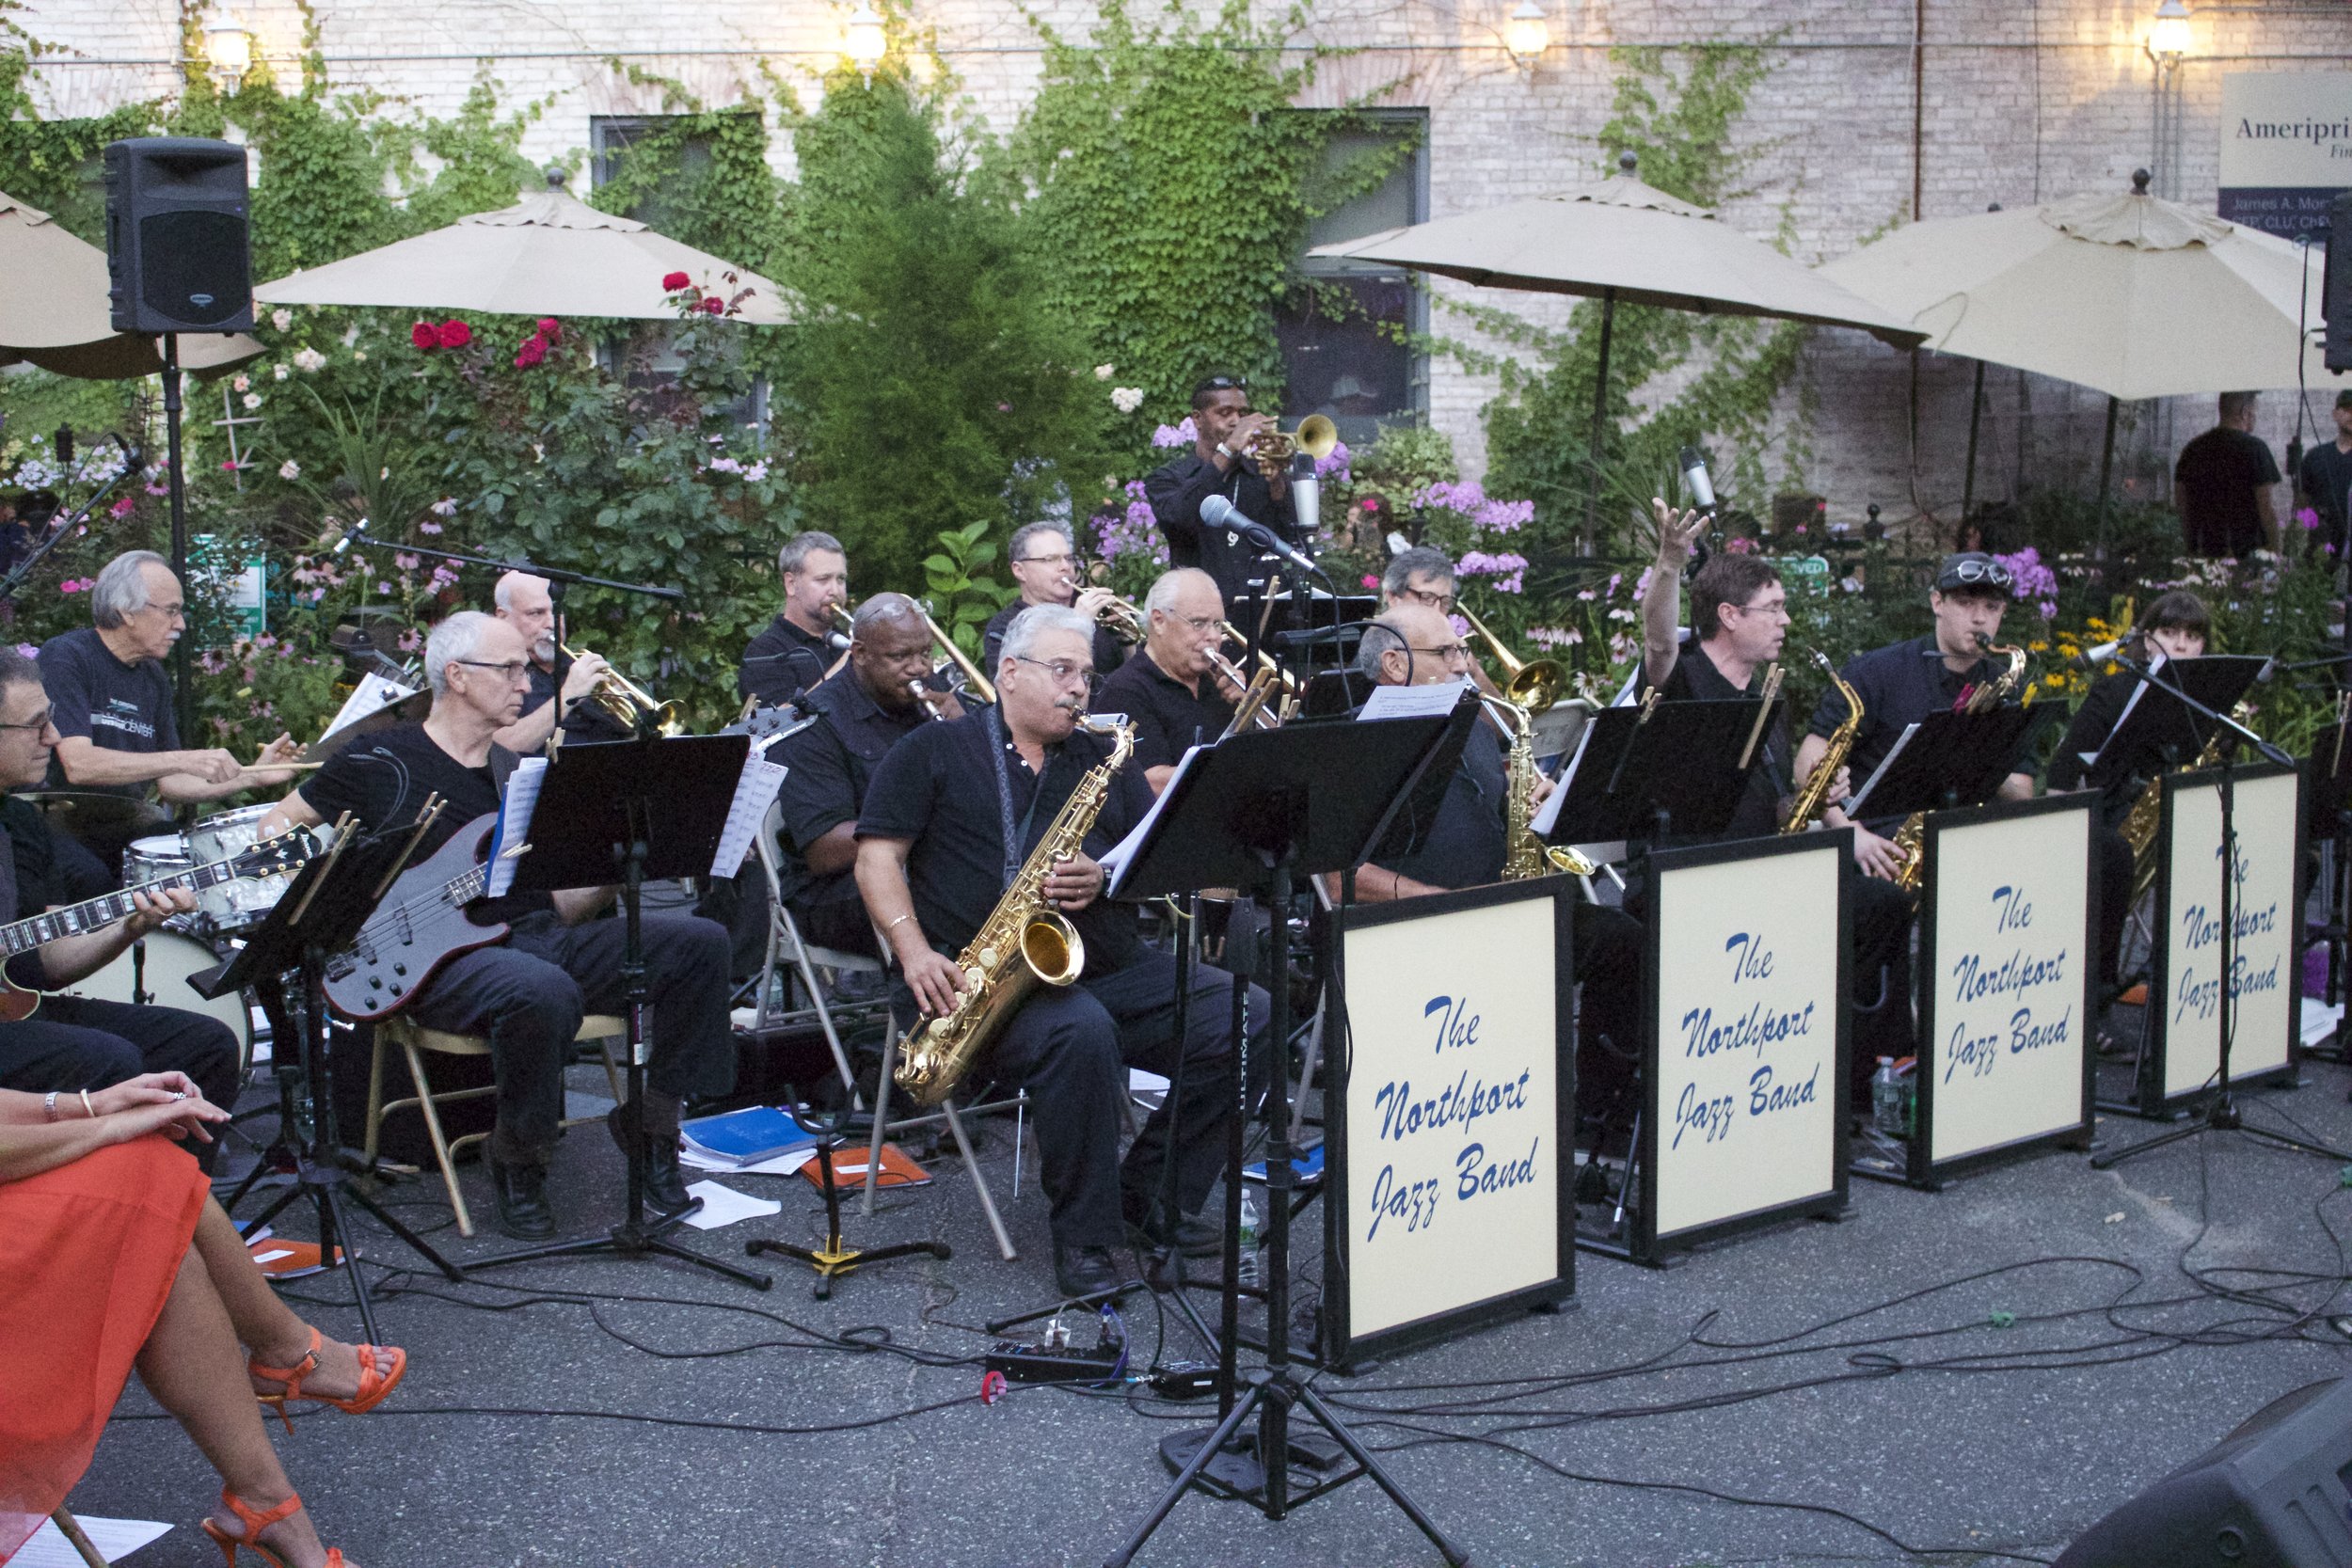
(2335, 298)
(2277, 1493)
(177, 251)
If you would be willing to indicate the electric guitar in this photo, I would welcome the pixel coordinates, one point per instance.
(418, 926)
(269, 858)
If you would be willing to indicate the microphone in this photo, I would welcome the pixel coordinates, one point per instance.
(339, 538)
(2093, 658)
(837, 641)
(1217, 512)
(1696, 478)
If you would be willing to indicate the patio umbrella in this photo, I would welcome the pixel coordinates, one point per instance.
(2132, 295)
(548, 255)
(1619, 239)
(55, 312)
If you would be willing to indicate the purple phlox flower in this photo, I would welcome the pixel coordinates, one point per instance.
(1334, 462)
(2030, 578)
(1181, 435)
(2308, 517)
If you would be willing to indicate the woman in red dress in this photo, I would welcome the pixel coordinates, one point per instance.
(114, 1255)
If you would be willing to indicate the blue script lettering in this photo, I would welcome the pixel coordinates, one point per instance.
(1750, 958)
(1454, 1031)
(1755, 1027)
(1764, 1095)
(2025, 1034)
(1712, 1117)
(1474, 1177)
(1977, 1053)
(1411, 1206)
(2011, 910)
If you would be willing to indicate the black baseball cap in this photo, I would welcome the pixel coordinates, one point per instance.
(1972, 571)
(2344, 399)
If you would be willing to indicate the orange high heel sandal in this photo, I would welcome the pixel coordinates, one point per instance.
(255, 1522)
(374, 1385)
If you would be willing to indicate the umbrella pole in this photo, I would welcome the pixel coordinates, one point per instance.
(1976, 419)
(2106, 469)
(177, 476)
(1600, 415)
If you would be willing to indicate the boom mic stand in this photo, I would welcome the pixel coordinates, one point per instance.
(2221, 1114)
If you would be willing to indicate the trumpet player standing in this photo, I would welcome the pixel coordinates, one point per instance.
(797, 650)
(1171, 691)
(1218, 466)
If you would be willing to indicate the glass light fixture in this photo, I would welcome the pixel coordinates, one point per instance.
(865, 40)
(1527, 35)
(229, 49)
(2168, 40)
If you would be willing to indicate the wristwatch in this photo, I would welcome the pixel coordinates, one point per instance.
(1224, 450)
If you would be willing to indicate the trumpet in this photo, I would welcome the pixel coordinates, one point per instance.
(1267, 663)
(1534, 684)
(1270, 449)
(1126, 621)
(627, 702)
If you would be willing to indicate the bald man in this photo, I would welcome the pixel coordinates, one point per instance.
(524, 603)
(1171, 691)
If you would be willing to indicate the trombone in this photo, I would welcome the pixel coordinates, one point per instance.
(627, 702)
(971, 672)
(1534, 684)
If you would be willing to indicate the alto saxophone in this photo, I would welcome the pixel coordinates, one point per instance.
(1526, 855)
(1911, 838)
(1813, 799)
(1026, 942)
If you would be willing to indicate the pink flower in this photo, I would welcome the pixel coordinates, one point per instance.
(672, 282)
(1004, 408)
(1370, 582)
(424, 336)
(423, 527)
(2309, 518)
(551, 329)
(123, 507)
(714, 306)
(533, 350)
(455, 334)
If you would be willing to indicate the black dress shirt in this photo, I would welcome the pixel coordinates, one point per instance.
(1169, 719)
(1899, 687)
(831, 763)
(782, 662)
(937, 789)
(1176, 492)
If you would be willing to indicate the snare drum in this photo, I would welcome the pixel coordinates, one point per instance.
(234, 906)
(172, 958)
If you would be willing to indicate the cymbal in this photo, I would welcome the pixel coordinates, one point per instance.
(97, 807)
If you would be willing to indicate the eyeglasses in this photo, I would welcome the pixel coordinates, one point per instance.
(1990, 572)
(1442, 603)
(1200, 625)
(1063, 671)
(1770, 606)
(1062, 559)
(513, 670)
(1452, 653)
(42, 722)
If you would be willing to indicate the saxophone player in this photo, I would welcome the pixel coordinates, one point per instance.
(1171, 691)
(951, 814)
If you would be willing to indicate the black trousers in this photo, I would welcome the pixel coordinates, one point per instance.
(80, 1043)
(1070, 1049)
(527, 996)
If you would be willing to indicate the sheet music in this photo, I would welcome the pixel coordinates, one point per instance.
(2139, 690)
(1853, 807)
(1413, 701)
(522, 799)
(757, 787)
(1548, 814)
(1115, 859)
(374, 695)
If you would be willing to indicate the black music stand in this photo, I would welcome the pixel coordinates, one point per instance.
(2155, 730)
(1654, 770)
(1948, 759)
(633, 809)
(2221, 1114)
(1253, 812)
(320, 915)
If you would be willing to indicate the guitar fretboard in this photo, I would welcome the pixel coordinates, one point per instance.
(24, 935)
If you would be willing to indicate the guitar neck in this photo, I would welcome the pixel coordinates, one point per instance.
(89, 915)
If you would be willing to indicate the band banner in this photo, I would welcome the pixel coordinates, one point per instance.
(2007, 958)
(1744, 1120)
(1453, 1117)
(2182, 1054)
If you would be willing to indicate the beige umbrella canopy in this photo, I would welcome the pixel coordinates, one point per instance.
(55, 313)
(2133, 295)
(1618, 238)
(548, 255)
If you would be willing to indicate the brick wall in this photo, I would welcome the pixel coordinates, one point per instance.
(2019, 101)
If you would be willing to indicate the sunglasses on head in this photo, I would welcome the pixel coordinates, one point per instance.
(1990, 573)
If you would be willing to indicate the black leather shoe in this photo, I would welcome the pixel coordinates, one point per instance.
(665, 1186)
(1084, 1270)
(1195, 1237)
(522, 1200)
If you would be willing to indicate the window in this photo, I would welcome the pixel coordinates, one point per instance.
(1340, 339)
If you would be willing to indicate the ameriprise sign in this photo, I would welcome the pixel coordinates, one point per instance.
(2286, 149)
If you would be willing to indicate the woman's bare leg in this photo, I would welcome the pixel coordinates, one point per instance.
(264, 1325)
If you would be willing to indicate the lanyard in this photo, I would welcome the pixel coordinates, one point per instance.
(1016, 839)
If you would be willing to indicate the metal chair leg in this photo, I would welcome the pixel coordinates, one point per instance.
(440, 1144)
(987, 1204)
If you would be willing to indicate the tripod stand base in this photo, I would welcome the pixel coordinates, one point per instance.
(2222, 1116)
(832, 1261)
(631, 1239)
(1235, 1470)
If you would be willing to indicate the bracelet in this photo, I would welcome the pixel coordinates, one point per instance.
(886, 929)
(88, 1109)
(49, 1106)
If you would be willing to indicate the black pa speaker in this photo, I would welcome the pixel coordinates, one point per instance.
(2335, 299)
(177, 252)
(2277, 1493)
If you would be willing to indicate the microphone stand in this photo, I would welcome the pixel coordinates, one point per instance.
(23, 569)
(2221, 1114)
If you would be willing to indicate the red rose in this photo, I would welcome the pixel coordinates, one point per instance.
(533, 351)
(425, 336)
(674, 282)
(455, 334)
(551, 329)
(714, 306)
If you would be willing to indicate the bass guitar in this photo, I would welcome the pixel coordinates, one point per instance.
(420, 925)
(269, 858)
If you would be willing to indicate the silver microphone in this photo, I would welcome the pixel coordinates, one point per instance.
(2091, 658)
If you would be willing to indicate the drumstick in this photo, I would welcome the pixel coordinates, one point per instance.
(279, 767)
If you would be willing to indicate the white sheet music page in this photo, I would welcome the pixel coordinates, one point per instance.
(1548, 814)
(1412, 702)
(757, 787)
(1857, 805)
(522, 799)
(374, 695)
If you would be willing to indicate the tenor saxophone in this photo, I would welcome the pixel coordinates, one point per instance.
(1813, 799)
(1024, 942)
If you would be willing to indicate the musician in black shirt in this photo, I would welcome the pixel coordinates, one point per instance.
(523, 601)
(1215, 466)
(795, 651)
(73, 1042)
(860, 713)
(528, 993)
(952, 814)
(1170, 690)
(1044, 563)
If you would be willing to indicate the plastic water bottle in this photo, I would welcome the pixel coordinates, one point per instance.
(1887, 1100)
(1251, 1269)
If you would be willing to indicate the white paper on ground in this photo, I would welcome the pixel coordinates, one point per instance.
(2319, 1021)
(775, 1165)
(724, 1206)
(115, 1539)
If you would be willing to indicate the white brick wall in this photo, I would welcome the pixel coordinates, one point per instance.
(2024, 100)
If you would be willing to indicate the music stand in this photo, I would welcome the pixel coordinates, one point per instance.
(1650, 772)
(1947, 759)
(1253, 812)
(2154, 728)
(329, 899)
(630, 810)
